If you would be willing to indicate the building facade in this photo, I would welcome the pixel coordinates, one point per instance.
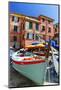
(24, 30)
(46, 26)
(56, 33)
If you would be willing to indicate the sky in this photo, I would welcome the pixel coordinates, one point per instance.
(34, 9)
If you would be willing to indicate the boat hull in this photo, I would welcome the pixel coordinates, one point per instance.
(35, 72)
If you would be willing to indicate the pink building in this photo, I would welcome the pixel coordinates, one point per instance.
(46, 26)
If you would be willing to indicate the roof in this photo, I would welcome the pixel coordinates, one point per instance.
(18, 15)
(46, 17)
(31, 17)
(26, 17)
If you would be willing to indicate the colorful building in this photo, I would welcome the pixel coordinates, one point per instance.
(56, 33)
(46, 26)
(24, 30)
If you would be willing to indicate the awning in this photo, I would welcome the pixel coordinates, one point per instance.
(35, 46)
(40, 45)
(30, 46)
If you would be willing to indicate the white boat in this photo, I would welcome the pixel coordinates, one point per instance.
(30, 65)
(55, 57)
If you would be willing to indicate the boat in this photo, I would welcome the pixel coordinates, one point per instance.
(55, 59)
(30, 65)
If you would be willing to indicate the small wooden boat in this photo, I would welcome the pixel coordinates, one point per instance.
(30, 65)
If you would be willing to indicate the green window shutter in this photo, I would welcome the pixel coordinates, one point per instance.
(37, 26)
(30, 25)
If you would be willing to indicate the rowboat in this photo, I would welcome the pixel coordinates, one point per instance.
(30, 65)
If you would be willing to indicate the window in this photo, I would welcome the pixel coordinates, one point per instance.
(36, 36)
(56, 26)
(30, 35)
(12, 18)
(15, 38)
(43, 19)
(27, 35)
(15, 28)
(49, 29)
(33, 36)
(49, 21)
(26, 25)
(43, 28)
(36, 26)
(15, 19)
(30, 25)
(18, 19)
(55, 29)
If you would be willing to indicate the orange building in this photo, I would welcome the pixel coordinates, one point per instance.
(25, 29)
